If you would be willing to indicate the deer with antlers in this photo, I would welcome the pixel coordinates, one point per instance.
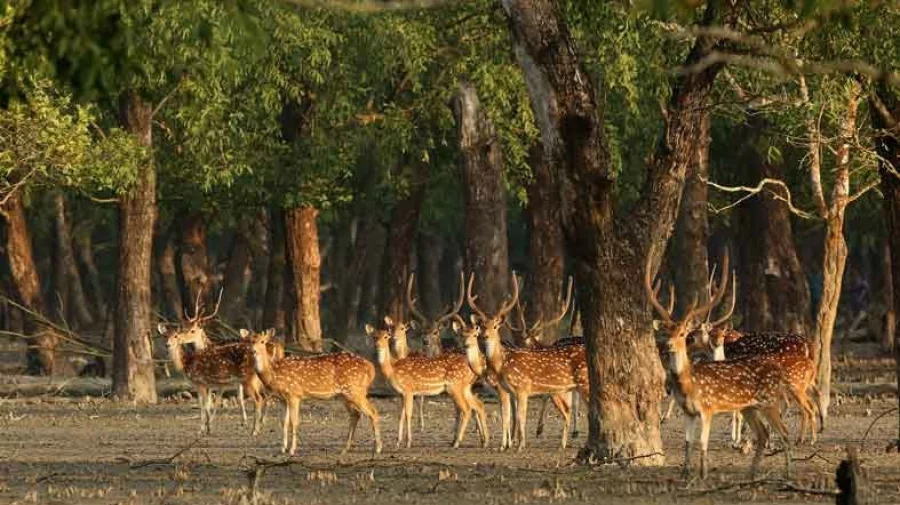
(523, 373)
(213, 367)
(427, 376)
(319, 377)
(754, 387)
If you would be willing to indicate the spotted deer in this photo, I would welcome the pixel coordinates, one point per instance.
(534, 337)
(212, 367)
(527, 372)
(754, 387)
(319, 377)
(427, 376)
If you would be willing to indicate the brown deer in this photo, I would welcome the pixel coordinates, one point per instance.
(425, 376)
(534, 338)
(755, 387)
(320, 377)
(526, 372)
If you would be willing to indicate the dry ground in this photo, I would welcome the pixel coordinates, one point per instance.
(76, 450)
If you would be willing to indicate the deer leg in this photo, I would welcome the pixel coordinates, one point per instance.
(705, 425)
(689, 427)
(422, 413)
(668, 412)
(521, 415)
(202, 391)
(402, 420)
(295, 424)
(562, 405)
(505, 415)
(575, 403)
(408, 410)
(354, 414)
(286, 426)
(463, 415)
(363, 404)
(774, 417)
(240, 393)
(540, 424)
(480, 417)
(736, 422)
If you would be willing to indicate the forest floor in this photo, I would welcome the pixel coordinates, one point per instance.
(77, 449)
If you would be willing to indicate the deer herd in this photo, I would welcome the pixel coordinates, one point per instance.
(710, 367)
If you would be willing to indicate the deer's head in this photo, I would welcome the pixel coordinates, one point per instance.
(490, 323)
(432, 328)
(191, 331)
(531, 335)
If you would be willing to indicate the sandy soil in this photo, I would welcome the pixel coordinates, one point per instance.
(88, 450)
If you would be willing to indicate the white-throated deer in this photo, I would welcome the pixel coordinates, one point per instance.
(320, 377)
(527, 372)
(426, 376)
(754, 387)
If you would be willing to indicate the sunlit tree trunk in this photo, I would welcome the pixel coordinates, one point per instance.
(132, 357)
(304, 268)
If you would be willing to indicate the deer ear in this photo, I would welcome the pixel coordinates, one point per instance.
(245, 333)
(270, 332)
(474, 319)
(388, 321)
(657, 324)
(413, 324)
(161, 328)
(370, 330)
(456, 326)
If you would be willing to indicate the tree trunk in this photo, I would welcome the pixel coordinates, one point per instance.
(68, 278)
(609, 253)
(133, 378)
(372, 272)
(27, 284)
(168, 277)
(835, 254)
(689, 254)
(237, 277)
(546, 251)
(430, 252)
(485, 239)
(84, 249)
(890, 317)
(260, 257)
(192, 260)
(886, 117)
(398, 254)
(304, 262)
(774, 294)
(360, 251)
(273, 312)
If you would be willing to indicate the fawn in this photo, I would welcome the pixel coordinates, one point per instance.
(421, 375)
(320, 377)
(755, 387)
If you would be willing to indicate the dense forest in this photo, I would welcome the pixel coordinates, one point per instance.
(293, 163)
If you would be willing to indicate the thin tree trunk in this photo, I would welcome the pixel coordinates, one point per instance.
(398, 255)
(890, 317)
(259, 265)
(168, 277)
(273, 312)
(485, 238)
(610, 252)
(27, 284)
(371, 289)
(360, 250)
(429, 252)
(304, 264)
(84, 249)
(67, 268)
(835, 254)
(133, 378)
(689, 243)
(546, 251)
(237, 276)
(192, 258)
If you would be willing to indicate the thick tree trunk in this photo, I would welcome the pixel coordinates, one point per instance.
(84, 249)
(360, 251)
(626, 378)
(398, 254)
(237, 277)
(485, 239)
(27, 284)
(273, 312)
(835, 254)
(67, 277)
(192, 259)
(304, 263)
(886, 117)
(546, 251)
(774, 295)
(689, 243)
(168, 279)
(430, 252)
(133, 378)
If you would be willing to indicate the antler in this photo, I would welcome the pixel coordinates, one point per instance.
(412, 302)
(666, 315)
(471, 298)
(565, 308)
(196, 317)
(719, 293)
(504, 308)
(454, 309)
(730, 310)
(215, 311)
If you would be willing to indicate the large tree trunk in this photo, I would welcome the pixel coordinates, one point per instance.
(192, 259)
(273, 312)
(237, 277)
(27, 284)
(67, 278)
(485, 239)
(398, 254)
(689, 256)
(774, 294)
(304, 263)
(610, 253)
(835, 253)
(132, 357)
(429, 253)
(546, 251)
(886, 117)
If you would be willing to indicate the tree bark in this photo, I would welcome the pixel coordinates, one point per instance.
(27, 285)
(485, 246)
(273, 312)
(67, 277)
(890, 317)
(84, 248)
(260, 256)
(192, 259)
(430, 252)
(886, 118)
(610, 252)
(168, 278)
(237, 277)
(399, 247)
(689, 243)
(372, 272)
(133, 378)
(361, 249)
(304, 263)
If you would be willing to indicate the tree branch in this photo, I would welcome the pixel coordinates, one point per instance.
(753, 191)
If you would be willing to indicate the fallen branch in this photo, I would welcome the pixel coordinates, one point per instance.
(872, 424)
(165, 461)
